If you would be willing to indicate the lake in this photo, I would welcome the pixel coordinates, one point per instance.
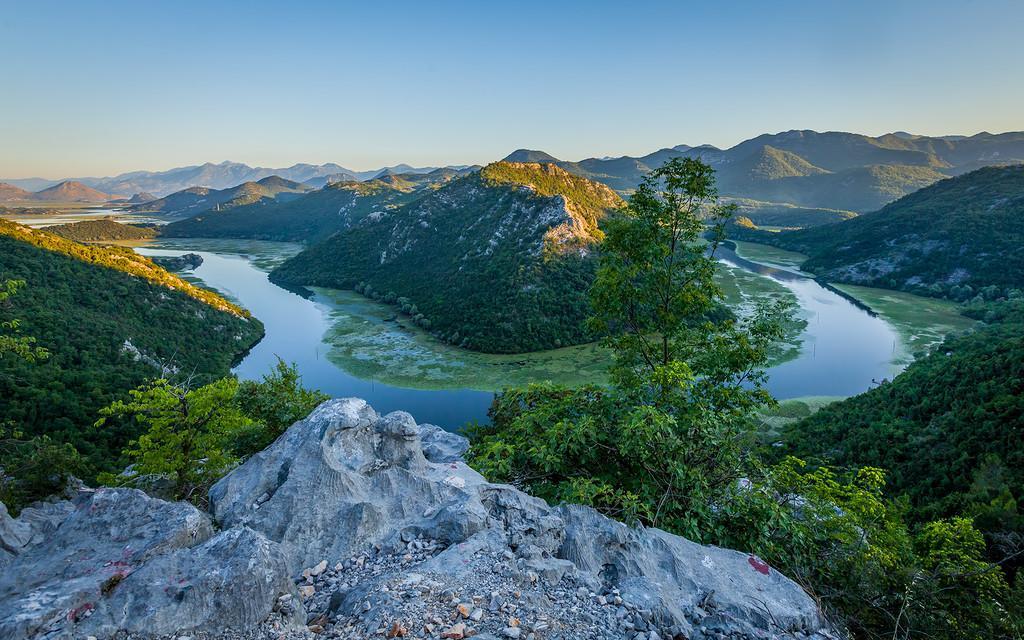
(843, 350)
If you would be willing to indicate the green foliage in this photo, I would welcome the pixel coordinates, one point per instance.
(473, 274)
(193, 435)
(274, 403)
(666, 440)
(956, 593)
(13, 345)
(186, 434)
(34, 468)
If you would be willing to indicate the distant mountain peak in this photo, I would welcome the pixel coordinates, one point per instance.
(530, 155)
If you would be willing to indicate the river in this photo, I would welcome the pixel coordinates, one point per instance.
(845, 350)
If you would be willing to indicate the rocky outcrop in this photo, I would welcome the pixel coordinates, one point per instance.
(179, 263)
(121, 560)
(386, 532)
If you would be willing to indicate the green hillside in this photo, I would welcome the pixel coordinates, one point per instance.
(109, 322)
(497, 261)
(957, 238)
(99, 230)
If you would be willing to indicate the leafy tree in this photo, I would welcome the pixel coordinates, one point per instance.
(274, 403)
(666, 441)
(34, 468)
(12, 344)
(188, 433)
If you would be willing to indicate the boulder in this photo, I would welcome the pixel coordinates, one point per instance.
(121, 559)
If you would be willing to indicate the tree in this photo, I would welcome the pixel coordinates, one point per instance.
(273, 404)
(33, 468)
(665, 442)
(189, 433)
(10, 343)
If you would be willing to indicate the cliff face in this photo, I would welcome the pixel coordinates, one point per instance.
(357, 524)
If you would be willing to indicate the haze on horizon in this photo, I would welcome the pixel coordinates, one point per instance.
(103, 89)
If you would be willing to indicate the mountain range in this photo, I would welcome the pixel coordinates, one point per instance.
(67, 191)
(807, 169)
(214, 176)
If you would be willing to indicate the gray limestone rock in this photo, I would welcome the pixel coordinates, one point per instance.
(124, 560)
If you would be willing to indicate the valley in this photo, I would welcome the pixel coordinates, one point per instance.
(348, 345)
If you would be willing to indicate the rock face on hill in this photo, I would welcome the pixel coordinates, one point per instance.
(356, 525)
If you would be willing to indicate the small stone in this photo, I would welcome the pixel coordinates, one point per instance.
(307, 591)
(319, 568)
(455, 632)
(397, 630)
(513, 622)
(463, 609)
(511, 632)
(315, 628)
(476, 615)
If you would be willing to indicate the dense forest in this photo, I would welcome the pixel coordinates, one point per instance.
(108, 320)
(101, 230)
(959, 238)
(496, 261)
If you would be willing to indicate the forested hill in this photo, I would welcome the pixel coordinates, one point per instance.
(954, 238)
(496, 261)
(313, 216)
(119, 259)
(110, 322)
(99, 230)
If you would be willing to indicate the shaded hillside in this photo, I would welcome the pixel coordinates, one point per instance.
(107, 330)
(313, 216)
(194, 200)
(495, 261)
(99, 230)
(953, 239)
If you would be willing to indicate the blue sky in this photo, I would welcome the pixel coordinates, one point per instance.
(105, 87)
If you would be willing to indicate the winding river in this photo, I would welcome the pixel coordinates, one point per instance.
(845, 350)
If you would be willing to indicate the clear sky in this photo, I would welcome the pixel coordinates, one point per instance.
(97, 88)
